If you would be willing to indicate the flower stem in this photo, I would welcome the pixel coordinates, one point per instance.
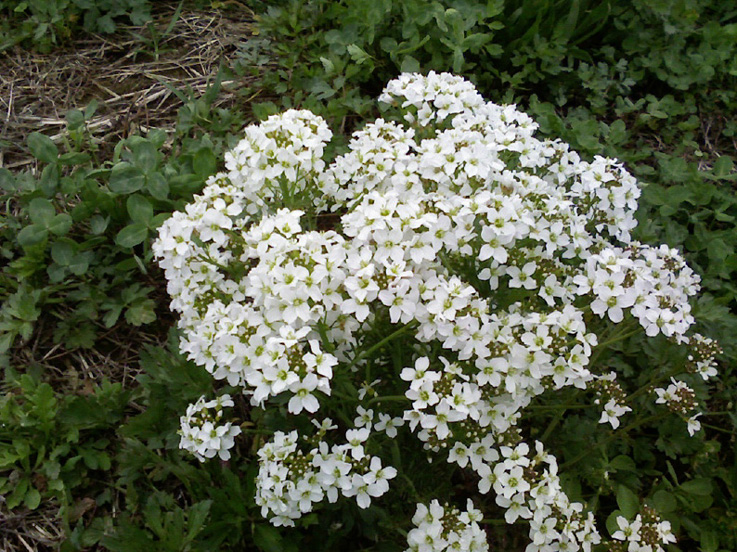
(380, 344)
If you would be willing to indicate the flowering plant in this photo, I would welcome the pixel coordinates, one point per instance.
(433, 281)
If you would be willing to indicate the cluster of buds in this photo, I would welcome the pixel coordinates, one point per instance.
(646, 533)
(445, 529)
(202, 434)
(680, 399)
(702, 357)
(610, 393)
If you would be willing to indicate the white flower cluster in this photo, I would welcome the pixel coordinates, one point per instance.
(290, 482)
(613, 397)
(703, 351)
(681, 399)
(281, 157)
(526, 484)
(200, 432)
(445, 529)
(646, 533)
(450, 219)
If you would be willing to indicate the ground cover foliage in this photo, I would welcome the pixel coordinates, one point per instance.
(90, 453)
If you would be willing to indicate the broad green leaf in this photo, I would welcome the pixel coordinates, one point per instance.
(627, 501)
(709, 541)
(62, 252)
(61, 224)
(7, 180)
(267, 538)
(98, 224)
(41, 211)
(32, 499)
(42, 147)
(31, 235)
(126, 179)
(623, 462)
(664, 502)
(145, 156)
(141, 312)
(204, 162)
(699, 487)
(131, 235)
(74, 158)
(157, 185)
(140, 209)
(723, 166)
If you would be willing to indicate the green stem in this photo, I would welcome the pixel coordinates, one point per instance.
(716, 428)
(553, 424)
(380, 344)
(619, 337)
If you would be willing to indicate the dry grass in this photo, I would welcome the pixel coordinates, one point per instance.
(130, 79)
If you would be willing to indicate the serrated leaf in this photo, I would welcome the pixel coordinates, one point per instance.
(126, 179)
(141, 312)
(131, 235)
(42, 147)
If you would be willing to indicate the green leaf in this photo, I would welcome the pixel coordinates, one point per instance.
(126, 179)
(62, 252)
(32, 499)
(131, 235)
(664, 502)
(140, 209)
(31, 235)
(157, 185)
(267, 538)
(42, 147)
(723, 166)
(98, 224)
(145, 156)
(141, 312)
(624, 463)
(74, 158)
(41, 211)
(699, 487)
(204, 162)
(61, 224)
(627, 501)
(196, 516)
(410, 65)
(709, 541)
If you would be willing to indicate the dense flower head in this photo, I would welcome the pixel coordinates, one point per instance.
(498, 256)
